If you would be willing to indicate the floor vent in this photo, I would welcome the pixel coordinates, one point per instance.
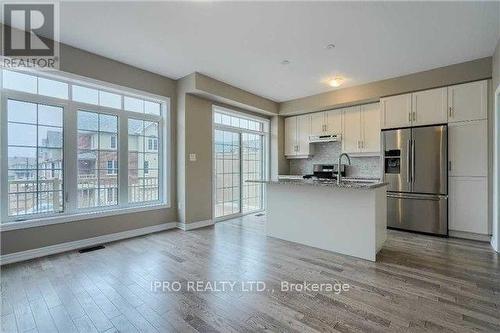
(260, 214)
(90, 249)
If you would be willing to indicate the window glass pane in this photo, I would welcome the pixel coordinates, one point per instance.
(21, 111)
(50, 115)
(27, 139)
(151, 129)
(88, 121)
(52, 88)
(85, 95)
(106, 140)
(97, 182)
(50, 137)
(135, 127)
(22, 158)
(49, 158)
(143, 161)
(108, 123)
(35, 176)
(133, 104)
(19, 81)
(110, 100)
(239, 122)
(217, 118)
(226, 120)
(152, 108)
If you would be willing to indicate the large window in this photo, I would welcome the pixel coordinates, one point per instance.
(239, 156)
(65, 151)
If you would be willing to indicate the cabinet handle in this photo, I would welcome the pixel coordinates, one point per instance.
(414, 116)
(409, 116)
(450, 112)
(449, 165)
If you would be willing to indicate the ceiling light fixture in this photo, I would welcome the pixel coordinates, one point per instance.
(285, 62)
(336, 81)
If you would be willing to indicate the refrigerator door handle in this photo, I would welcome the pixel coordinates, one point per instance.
(413, 161)
(416, 196)
(408, 171)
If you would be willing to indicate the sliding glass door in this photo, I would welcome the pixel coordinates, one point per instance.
(239, 155)
(252, 169)
(227, 173)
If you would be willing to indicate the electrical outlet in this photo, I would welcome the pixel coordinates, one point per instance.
(192, 157)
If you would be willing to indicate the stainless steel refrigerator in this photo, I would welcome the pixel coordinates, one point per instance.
(415, 166)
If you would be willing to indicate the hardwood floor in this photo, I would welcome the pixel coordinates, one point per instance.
(419, 283)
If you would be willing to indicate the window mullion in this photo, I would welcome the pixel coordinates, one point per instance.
(70, 159)
(4, 202)
(123, 160)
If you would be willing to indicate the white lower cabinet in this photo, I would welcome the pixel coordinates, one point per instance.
(468, 205)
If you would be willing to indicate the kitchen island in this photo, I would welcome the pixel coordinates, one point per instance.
(348, 218)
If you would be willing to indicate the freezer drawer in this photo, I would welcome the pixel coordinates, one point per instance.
(418, 212)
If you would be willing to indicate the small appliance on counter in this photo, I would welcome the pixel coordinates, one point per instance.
(326, 171)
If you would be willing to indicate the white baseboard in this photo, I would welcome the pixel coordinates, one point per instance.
(469, 235)
(68, 246)
(194, 225)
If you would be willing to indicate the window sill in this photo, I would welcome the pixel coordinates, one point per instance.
(8, 226)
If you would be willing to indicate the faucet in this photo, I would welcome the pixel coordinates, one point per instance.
(339, 173)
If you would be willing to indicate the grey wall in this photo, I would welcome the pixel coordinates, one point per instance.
(93, 66)
(196, 95)
(496, 118)
(496, 67)
(328, 153)
(468, 71)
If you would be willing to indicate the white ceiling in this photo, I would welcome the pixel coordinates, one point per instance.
(243, 44)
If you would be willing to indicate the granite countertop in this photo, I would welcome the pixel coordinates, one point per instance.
(363, 185)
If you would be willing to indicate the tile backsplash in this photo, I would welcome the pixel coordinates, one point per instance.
(328, 153)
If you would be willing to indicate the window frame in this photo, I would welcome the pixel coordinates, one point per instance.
(70, 144)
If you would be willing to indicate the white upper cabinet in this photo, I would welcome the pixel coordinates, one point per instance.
(370, 128)
(304, 131)
(396, 111)
(334, 121)
(468, 101)
(468, 148)
(361, 129)
(351, 138)
(326, 122)
(297, 131)
(318, 123)
(290, 136)
(430, 107)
